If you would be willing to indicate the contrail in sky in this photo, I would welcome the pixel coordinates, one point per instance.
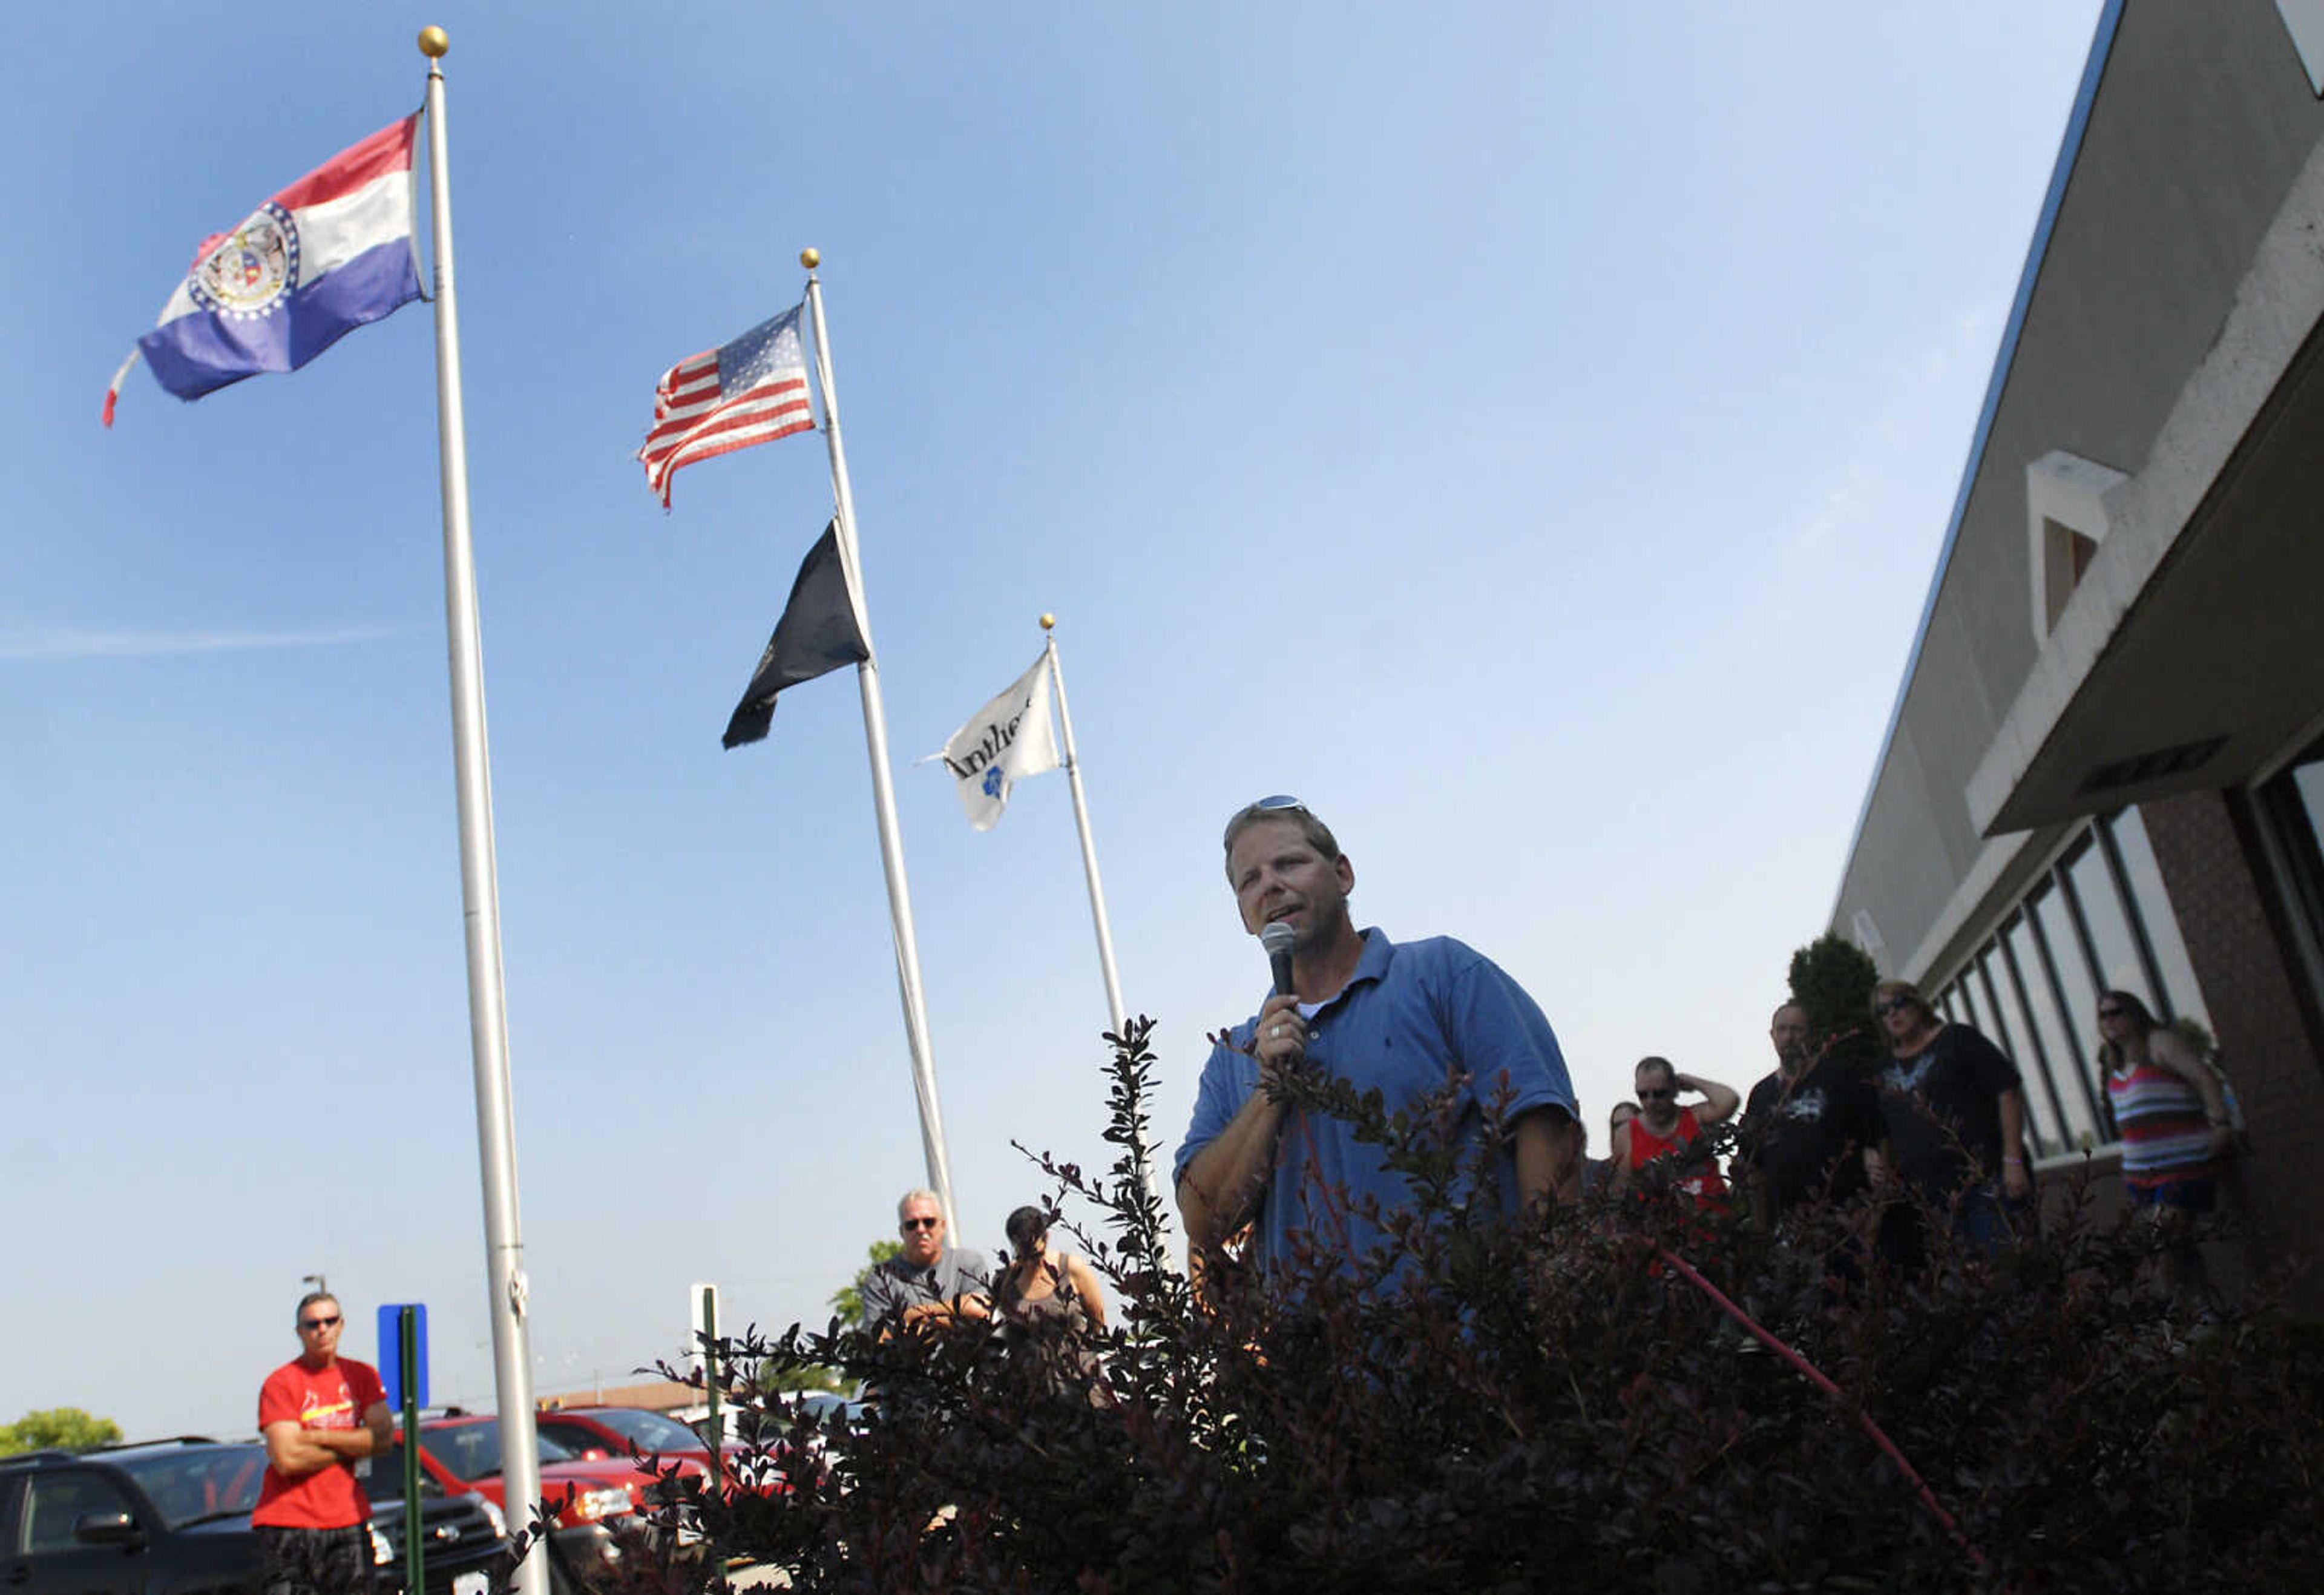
(65, 643)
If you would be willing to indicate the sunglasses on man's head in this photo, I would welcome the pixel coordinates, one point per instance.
(318, 1323)
(921, 1224)
(1655, 1096)
(1278, 803)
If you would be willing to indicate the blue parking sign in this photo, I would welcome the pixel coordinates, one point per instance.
(393, 1372)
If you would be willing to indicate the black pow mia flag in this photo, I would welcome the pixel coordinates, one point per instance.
(815, 636)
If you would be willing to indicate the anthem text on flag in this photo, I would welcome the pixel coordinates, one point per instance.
(1000, 744)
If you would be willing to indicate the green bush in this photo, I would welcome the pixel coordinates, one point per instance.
(1832, 978)
(1482, 1407)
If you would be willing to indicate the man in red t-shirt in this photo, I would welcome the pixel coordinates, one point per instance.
(1665, 1129)
(320, 1414)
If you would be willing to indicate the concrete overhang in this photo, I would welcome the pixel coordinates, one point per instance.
(2191, 651)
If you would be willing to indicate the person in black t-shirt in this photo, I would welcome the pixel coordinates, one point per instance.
(1807, 1126)
(1955, 1114)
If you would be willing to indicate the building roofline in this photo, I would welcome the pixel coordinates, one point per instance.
(2069, 149)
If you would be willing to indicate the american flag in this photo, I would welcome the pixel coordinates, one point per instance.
(750, 391)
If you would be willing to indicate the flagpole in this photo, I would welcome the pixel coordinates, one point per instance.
(883, 789)
(1113, 1008)
(479, 894)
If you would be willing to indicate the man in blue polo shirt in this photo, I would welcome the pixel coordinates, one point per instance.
(1405, 1019)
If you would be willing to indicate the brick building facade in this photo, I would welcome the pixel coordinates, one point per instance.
(2106, 765)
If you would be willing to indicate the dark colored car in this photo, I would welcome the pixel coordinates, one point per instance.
(172, 1518)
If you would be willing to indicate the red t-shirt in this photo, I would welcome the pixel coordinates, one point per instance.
(1704, 1184)
(333, 1398)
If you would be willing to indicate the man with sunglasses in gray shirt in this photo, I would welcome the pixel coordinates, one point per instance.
(929, 1282)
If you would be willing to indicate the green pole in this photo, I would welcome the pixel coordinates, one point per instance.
(710, 1380)
(407, 1335)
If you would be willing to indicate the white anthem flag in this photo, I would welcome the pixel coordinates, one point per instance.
(1004, 743)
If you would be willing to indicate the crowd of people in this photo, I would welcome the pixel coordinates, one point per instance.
(1048, 1301)
(1935, 1130)
(1932, 1131)
(1928, 1134)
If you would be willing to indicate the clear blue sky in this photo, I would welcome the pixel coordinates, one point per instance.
(1524, 433)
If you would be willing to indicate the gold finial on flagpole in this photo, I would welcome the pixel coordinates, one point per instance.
(1048, 623)
(434, 43)
(810, 258)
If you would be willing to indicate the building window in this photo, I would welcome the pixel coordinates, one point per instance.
(1961, 997)
(2098, 920)
(2177, 997)
(2014, 1037)
(2306, 787)
(1968, 1014)
(2291, 812)
(2077, 993)
(2063, 1059)
(2112, 946)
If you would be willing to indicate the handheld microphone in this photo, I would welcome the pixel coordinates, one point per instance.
(1278, 938)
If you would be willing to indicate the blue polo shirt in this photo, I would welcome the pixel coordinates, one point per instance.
(1407, 1020)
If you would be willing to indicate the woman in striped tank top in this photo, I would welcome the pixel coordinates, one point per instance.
(2172, 1122)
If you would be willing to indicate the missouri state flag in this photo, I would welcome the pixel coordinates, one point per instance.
(327, 254)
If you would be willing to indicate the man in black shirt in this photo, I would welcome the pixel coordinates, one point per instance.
(1808, 1125)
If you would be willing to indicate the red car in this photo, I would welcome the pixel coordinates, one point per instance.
(615, 1433)
(595, 1502)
